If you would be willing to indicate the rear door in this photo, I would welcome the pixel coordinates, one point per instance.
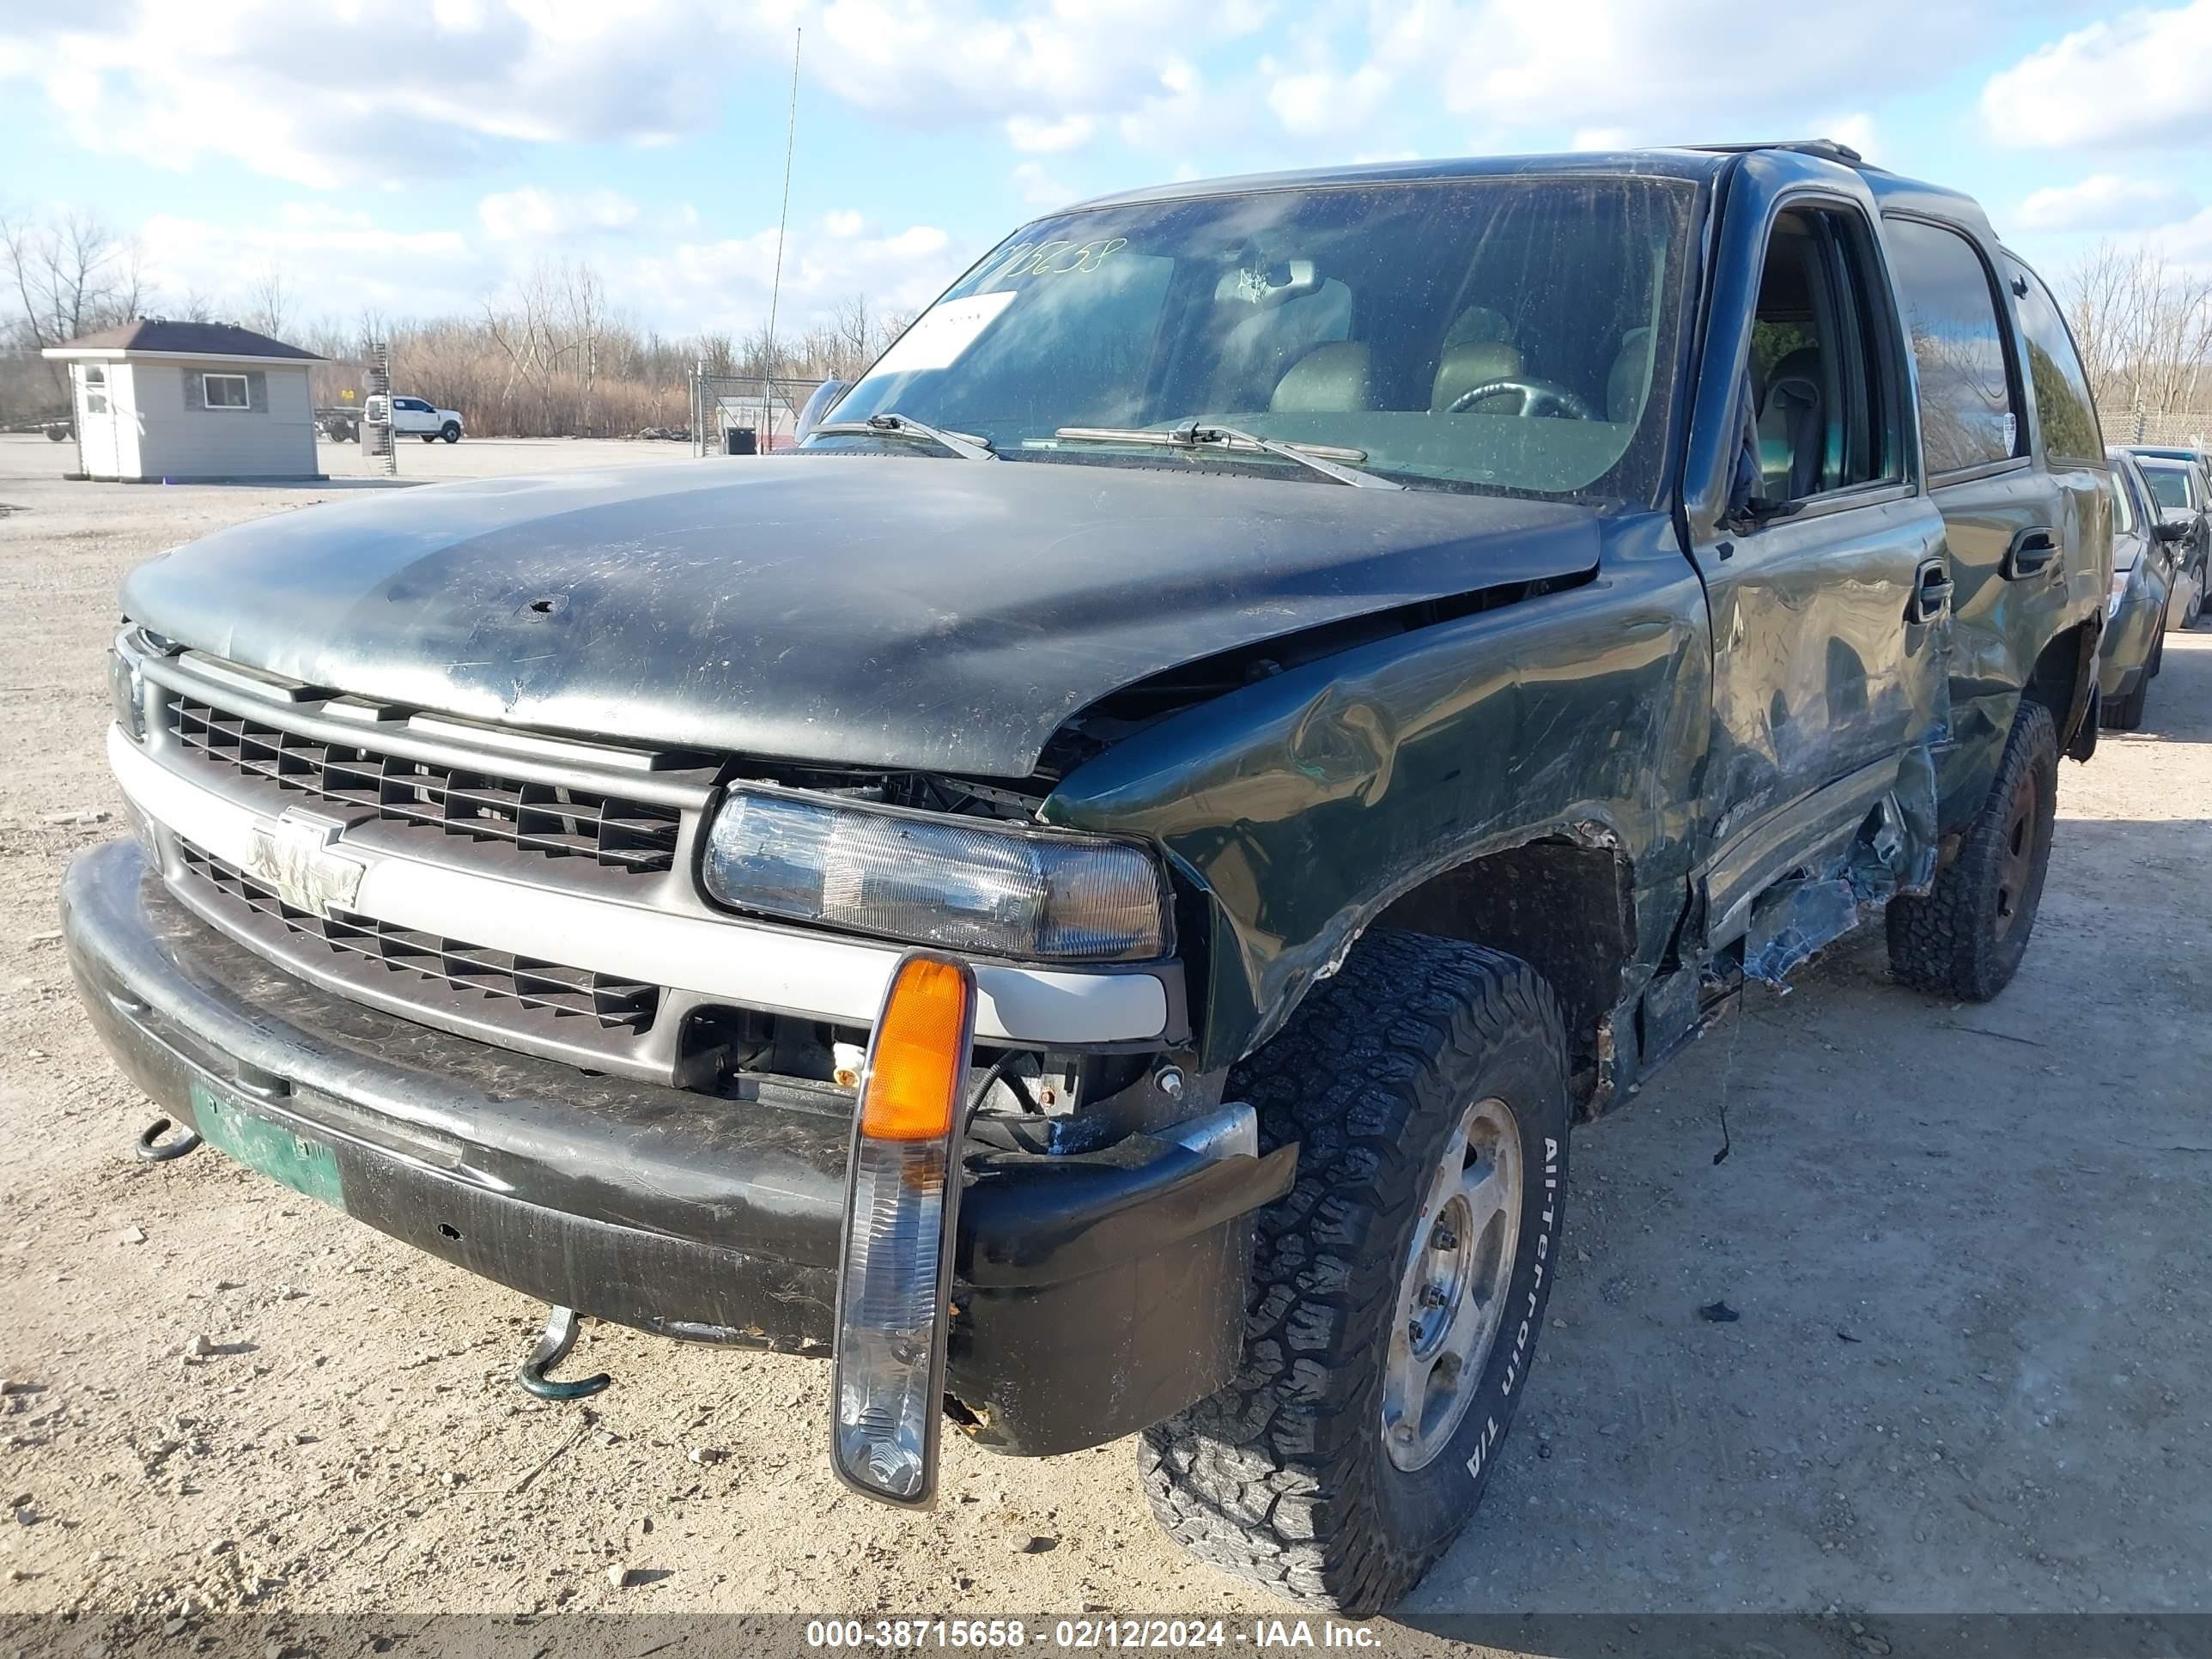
(2008, 520)
(1828, 597)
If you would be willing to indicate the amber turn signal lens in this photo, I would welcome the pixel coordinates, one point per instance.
(902, 1215)
(920, 1056)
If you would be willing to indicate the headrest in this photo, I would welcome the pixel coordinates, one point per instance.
(1801, 366)
(1631, 376)
(1463, 368)
(1330, 378)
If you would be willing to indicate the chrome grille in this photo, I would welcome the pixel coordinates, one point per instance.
(471, 985)
(556, 820)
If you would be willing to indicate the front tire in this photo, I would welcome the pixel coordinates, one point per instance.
(1966, 937)
(451, 432)
(1398, 1292)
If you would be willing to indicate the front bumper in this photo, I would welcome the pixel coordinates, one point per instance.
(1094, 1293)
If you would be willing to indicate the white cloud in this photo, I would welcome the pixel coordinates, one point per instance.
(724, 284)
(1605, 69)
(1602, 139)
(2104, 201)
(533, 215)
(1320, 101)
(1049, 71)
(336, 263)
(843, 221)
(332, 262)
(325, 95)
(1185, 113)
(1038, 187)
(2135, 79)
(1030, 132)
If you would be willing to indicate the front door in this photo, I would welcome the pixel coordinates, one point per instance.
(1825, 576)
(98, 444)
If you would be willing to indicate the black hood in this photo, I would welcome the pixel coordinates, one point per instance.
(892, 610)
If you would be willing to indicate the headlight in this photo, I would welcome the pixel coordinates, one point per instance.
(963, 885)
(127, 689)
(2120, 580)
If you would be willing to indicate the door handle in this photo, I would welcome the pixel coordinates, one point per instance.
(2032, 552)
(1931, 592)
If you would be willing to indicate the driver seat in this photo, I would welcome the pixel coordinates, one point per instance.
(1472, 364)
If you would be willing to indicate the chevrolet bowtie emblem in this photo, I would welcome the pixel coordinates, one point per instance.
(294, 855)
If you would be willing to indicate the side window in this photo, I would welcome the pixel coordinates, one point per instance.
(1966, 414)
(1820, 377)
(2123, 505)
(2063, 400)
(95, 389)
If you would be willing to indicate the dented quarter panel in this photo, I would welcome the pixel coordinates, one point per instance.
(1301, 806)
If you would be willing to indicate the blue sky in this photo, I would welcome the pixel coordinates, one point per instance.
(416, 155)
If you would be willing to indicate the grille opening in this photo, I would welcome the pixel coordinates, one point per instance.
(555, 820)
(473, 978)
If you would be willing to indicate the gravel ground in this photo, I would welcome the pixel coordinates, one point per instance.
(1967, 1244)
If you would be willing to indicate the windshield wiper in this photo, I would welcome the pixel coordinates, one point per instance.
(1324, 459)
(966, 445)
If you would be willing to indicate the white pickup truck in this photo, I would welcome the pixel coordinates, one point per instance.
(411, 418)
(420, 418)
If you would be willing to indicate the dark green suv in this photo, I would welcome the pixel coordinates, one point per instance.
(1092, 893)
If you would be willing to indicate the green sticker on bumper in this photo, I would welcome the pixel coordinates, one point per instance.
(304, 1165)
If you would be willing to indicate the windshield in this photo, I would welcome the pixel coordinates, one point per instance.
(2171, 486)
(1485, 334)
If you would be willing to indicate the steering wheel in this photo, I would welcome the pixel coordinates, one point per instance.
(1537, 398)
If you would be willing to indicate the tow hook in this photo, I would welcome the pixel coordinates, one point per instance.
(152, 1148)
(553, 1345)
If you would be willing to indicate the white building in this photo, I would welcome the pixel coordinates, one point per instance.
(169, 402)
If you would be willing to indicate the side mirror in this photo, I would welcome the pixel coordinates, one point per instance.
(818, 405)
(2173, 530)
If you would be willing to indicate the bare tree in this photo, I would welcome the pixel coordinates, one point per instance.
(269, 301)
(68, 274)
(2143, 326)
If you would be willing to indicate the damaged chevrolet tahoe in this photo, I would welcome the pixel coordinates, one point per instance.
(1091, 895)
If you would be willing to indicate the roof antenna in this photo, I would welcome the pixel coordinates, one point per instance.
(790, 132)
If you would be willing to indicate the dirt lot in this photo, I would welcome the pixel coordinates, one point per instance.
(1968, 1244)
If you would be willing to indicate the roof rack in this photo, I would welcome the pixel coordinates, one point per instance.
(1826, 149)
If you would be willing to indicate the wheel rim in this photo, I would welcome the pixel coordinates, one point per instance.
(1451, 1294)
(2018, 863)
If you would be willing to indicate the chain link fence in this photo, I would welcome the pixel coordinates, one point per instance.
(2179, 427)
(746, 414)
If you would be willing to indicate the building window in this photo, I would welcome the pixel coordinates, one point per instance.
(224, 390)
(95, 389)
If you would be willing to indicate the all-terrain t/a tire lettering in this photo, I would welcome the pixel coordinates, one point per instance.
(1285, 1477)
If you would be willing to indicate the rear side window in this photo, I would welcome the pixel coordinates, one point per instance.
(1966, 414)
(2063, 399)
